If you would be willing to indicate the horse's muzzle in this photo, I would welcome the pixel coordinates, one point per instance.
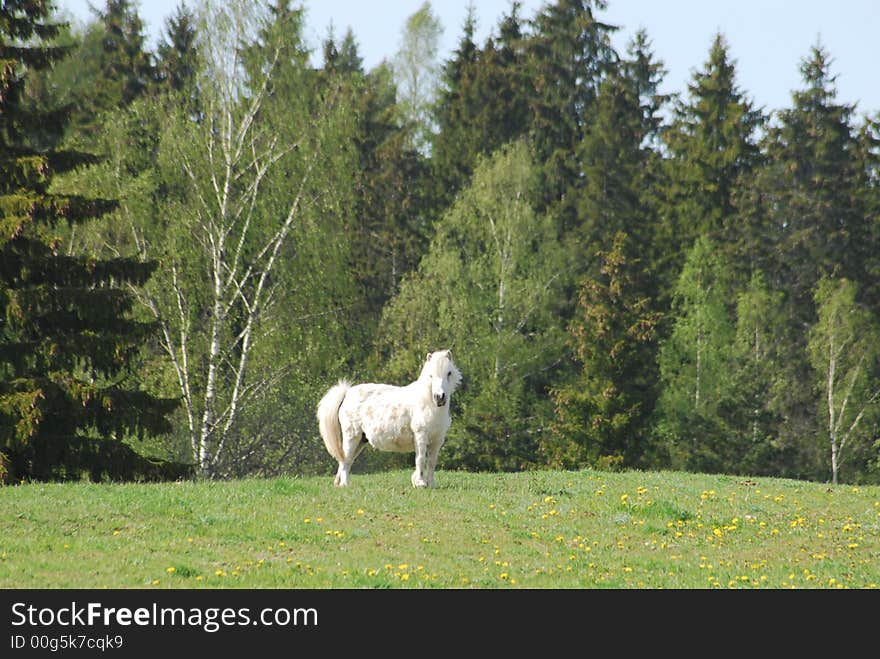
(440, 400)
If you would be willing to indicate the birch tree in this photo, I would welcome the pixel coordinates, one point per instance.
(843, 350)
(248, 186)
(695, 361)
(417, 70)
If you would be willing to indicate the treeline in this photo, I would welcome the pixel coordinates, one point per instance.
(198, 240)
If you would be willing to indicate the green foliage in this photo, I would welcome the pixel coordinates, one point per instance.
(482, 103)
(695, 362)
(416, 69)
(68, 339)
(602, 413)
(844, 348)
(489, 289)
(622, 286)
(753, 413)
(568, 54)
(712, 143)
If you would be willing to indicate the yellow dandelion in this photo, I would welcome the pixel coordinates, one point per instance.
(360, 511)
(404, 576)
(199, 577)
(219, 573)
(116, 532)
(402, 566)
(155, 582)
(170, 570)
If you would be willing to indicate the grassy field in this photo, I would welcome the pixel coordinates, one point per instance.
(548, 529)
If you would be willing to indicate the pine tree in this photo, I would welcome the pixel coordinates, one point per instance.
(67, 334)
(646, 74)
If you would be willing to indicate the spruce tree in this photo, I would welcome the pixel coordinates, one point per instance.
(815, 181)
(67, 335)
(568, 54)
(618, 166)
(126, 66)
(482, 104)
(177, 54)
(712, 142)
(602, 412)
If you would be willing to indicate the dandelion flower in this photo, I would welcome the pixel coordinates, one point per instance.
(170, 570)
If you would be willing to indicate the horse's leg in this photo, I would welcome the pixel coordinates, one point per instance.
(419, 476)
(351, 448)
(433, 452)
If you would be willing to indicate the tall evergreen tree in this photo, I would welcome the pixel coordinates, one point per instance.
(602, 413)
(67, 334)
(125, 63)
(646, 73)
(803, 216)
(568, 53)
(618, 168)
(712, 142)
(814, 181)
(482, 103)
(177, 53)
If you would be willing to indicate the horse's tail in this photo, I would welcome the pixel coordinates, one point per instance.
(328, 419)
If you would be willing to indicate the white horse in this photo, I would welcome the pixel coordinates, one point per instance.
(389, 418)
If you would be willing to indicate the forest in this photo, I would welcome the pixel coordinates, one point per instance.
(198, 240)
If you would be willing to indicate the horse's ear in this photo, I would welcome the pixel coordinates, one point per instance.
(428, 358)
(449, 353)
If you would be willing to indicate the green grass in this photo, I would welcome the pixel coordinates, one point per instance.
(544, 529)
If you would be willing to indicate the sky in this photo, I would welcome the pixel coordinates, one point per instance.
(767, 39)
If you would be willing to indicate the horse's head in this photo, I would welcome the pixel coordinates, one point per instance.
(443, 375)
